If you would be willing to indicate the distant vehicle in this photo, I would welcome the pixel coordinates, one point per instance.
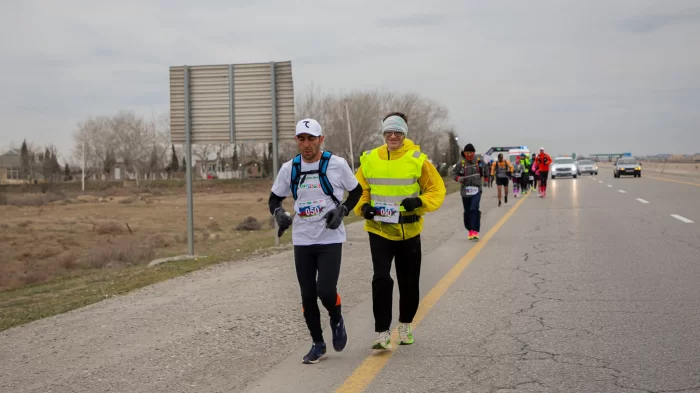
(627, 167)
(513, 153)
(587, 166)
(563, 166)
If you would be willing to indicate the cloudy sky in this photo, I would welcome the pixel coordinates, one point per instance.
(584, 76)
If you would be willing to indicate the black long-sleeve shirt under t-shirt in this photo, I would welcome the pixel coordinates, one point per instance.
(354, 195)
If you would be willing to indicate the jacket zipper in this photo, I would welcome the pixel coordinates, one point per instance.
(388, 154)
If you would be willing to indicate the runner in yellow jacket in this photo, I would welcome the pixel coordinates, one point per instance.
(399, 187)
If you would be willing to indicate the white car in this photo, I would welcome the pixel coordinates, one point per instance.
(563, 166)
(587, 166)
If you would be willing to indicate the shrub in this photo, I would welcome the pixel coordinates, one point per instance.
(35, 199)
(124, 254)
(249, 224)
(213, 226)
(158, 241)
(109, 228)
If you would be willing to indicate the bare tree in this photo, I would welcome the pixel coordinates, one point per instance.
(427, 120)
(453, 148)
(206, 154)
(140, 144)
(134, 141)
(98, 137)
(178, 150)
(110, 161)
(154, 165)
(161, 129)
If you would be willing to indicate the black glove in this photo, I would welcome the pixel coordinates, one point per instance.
(283, 220)
(335, 217)
(411, 204)
(368, 212)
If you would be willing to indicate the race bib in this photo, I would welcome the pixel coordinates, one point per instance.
(386, 212)
(469, 191)
(312, 210)
(517, 175)
(531, 178)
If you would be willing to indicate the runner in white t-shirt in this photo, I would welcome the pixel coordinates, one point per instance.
(317, 229)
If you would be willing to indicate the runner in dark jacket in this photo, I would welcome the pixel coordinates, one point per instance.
(468, 173)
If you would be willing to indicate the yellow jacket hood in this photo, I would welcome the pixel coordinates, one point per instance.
(432, 195)
(408, 145)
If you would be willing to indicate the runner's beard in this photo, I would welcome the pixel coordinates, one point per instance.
(310, 154)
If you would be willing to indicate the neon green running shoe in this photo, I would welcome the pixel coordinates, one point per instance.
(405, 334)
(383, 341)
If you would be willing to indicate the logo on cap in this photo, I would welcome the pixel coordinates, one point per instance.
(306, 123)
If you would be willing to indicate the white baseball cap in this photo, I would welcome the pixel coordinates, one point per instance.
(309, 126)
(541, 147)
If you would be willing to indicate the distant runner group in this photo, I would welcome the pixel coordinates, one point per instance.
(395, 186)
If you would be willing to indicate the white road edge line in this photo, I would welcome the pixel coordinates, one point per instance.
(642, 200)
(622, 191)
(681, 218)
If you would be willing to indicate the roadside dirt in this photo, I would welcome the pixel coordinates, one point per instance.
(122, 227)
(214, 330)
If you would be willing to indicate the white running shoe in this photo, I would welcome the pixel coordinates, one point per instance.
(383, 341)
(405, 334)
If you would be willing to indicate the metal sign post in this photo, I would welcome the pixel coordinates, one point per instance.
(227, 104)
(188, 168)
(275, 168)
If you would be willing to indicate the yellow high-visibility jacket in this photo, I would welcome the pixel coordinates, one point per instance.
(430, 187)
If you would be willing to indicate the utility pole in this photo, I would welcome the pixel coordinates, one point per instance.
(83, 167)
(352, 156)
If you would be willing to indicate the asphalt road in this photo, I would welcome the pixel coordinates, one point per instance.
(589, 290)
(593, 289)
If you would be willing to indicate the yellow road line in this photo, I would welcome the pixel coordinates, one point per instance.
(365, 373)
(674, 181)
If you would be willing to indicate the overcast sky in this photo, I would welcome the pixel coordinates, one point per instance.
(574, 76)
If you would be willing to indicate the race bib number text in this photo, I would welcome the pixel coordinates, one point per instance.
(311, 210)
(386, 212)
(469, 191)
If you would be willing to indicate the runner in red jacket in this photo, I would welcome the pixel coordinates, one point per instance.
(543, 162)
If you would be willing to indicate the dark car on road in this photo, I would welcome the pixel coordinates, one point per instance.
(627, 167)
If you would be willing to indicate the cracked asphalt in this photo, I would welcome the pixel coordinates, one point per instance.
(587, 290)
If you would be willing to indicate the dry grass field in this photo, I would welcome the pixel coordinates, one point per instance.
(73, 249)
(63, 249)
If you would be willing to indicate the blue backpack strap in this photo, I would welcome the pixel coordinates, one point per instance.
(323, 179)
(296, 174)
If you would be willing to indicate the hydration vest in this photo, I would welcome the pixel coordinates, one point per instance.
(298, 176)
